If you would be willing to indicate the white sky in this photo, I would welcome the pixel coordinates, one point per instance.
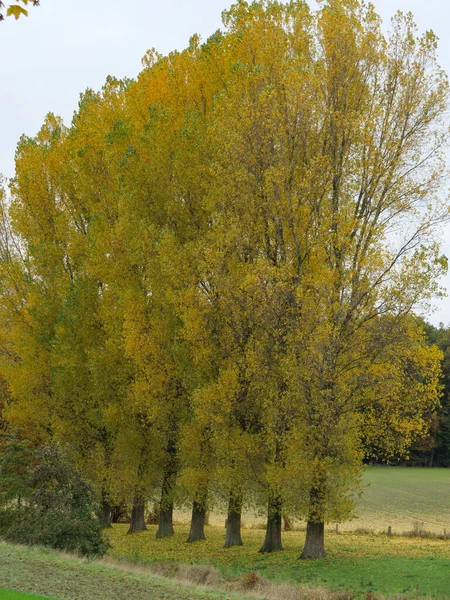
(65, 46)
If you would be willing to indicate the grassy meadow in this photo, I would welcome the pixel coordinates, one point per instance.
(361, 559)
(355, 568)
(355, 563)
(359, 564)
(403, 497)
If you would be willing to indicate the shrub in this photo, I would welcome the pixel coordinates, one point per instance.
(250, 580)
(61, 508)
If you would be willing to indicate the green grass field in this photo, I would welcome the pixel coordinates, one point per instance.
(13, 595)
(355, 563)
(400, 497)
(401, 567)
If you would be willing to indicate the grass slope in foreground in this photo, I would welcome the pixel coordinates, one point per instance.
(64, 578)
(67, 578)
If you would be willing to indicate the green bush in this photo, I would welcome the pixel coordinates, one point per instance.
(60, 509)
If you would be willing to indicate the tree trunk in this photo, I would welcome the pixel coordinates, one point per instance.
(272, 541)
(315, 541)
(105, 506)
(165, 521)
(287, 524)
(197, 531)
(137, 522)
(233, 533)
(105, 513)
(116, 513)
(315, 529)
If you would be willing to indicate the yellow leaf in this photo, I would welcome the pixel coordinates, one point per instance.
(16, 11)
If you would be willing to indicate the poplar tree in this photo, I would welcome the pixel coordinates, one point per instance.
(329, 139)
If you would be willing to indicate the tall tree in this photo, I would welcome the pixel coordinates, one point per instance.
(314, 200)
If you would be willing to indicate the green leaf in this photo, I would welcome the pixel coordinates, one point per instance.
(16, 11)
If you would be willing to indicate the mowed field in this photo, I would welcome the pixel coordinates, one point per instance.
(401, 497)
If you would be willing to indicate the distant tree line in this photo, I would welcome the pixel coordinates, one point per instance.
(434, 449)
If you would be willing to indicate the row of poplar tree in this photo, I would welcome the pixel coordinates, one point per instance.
(207, 279)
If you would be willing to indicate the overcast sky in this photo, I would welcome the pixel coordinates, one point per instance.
(65, 46)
